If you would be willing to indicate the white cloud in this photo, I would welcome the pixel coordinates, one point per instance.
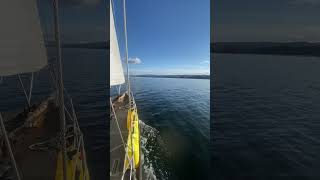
(173, 71)
(134, 60)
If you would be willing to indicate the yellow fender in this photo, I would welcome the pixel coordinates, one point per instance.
(133, 141)
(80, 172)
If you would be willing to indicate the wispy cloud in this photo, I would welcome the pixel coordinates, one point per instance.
(174, 70)
(134, 60)
(171, 71)
(205, 62)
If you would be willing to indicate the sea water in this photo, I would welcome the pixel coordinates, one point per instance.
(265, 118)
(175, 113)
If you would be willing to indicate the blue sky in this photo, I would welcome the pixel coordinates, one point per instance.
(169, 37)
(266, 20)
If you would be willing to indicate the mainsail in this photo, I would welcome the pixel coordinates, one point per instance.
(22, 47)
(116, 71)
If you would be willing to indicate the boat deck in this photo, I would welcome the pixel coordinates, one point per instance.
(40, 125)
(117, 145)
(117, 151)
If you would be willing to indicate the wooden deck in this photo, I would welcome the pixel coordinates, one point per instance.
(40, 125)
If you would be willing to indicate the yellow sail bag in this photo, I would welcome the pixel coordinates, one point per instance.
(133, 142)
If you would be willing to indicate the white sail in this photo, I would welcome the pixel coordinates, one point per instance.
(22, 47)
(116, 71)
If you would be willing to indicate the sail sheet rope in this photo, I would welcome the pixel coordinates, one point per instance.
(28, 97)
(131, 100)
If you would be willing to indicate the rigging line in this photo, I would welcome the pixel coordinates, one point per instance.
(130, 160)
(125, 145)
(132, 150)
(84, 162)
(132, 132)
(75, 116)
(126, 45)
(117, 147)
(60, 90)
(53, 78)
(115, 116)
(128, 79)
(78, 150)
(31, 86)
(119, 89)
(24, 90)
(13, 161)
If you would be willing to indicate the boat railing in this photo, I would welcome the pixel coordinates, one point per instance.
(131, 161)
(78, 141)
(72, 119)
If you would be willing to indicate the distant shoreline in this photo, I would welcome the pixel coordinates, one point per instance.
(267, 48)
(176, 76)
(266, 54)
(307, 49)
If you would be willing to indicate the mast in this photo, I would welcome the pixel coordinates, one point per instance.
(60, 87)
(126, 44)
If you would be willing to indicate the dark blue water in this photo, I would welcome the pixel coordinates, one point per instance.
(176, 112)
(85, 78)
(179, 110)
(266, 117)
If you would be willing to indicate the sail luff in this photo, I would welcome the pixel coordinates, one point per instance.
(22, 48)
(116, 70)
